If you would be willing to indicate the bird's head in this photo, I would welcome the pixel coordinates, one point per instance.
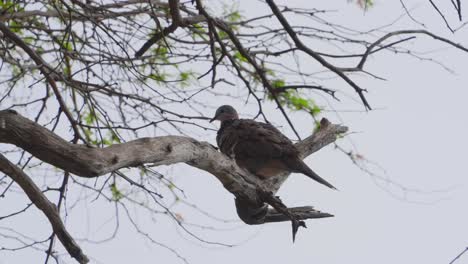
(225, 112)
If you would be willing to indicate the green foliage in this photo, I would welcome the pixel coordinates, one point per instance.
(67, 69)
(293, 99)
(198, 31)
(15, 26)
(88, 135)
(317, 125)
(186, 77)
(89, 118)
(116, 193)
(158, 77)
(109, 139)
(91, 135)
(295, 102)
(278, 83)
(240, 57)
(114, 137)
(28, 40)
(298, 102)
(67, 46)
(365, 4)
(16, 71)
(231, 13)
(222, 34)
(199, 27)
(40, 50)
(269, 72)
(161, 53)
(234, 16)
(143, 171)
(9, 6)
(316, 110)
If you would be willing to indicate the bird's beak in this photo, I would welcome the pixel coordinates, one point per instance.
(213, 119)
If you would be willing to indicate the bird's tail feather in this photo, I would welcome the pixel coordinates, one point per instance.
(303, 168)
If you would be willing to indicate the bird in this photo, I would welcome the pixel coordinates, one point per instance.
(258, 147)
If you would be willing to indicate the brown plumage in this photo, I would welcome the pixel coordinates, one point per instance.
(259, 147)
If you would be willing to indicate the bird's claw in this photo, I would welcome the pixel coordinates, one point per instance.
(295, 227)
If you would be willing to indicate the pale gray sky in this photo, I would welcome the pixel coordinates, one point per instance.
(418, 136)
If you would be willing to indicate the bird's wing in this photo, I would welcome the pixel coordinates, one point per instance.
(262, 149)
(256, 146)
(261, 141)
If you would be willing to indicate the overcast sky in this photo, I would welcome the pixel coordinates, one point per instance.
(417, 137)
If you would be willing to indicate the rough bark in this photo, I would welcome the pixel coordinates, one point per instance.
(252, 195)
(48, 208)
(85, 161)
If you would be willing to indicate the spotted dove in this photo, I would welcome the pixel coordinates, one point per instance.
(258, 147)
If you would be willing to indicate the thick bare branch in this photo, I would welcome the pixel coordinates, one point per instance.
(92, 162)
(49, 209)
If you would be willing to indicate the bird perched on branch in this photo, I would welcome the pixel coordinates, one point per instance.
(258, 147)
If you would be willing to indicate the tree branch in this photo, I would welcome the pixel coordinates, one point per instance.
(244, 52)
(250, 192)
(301, 46)
(177, 21)
(45, 70)
(326, 134)
(405, 32)
(260, 214)
(49, 209)
(459, 255)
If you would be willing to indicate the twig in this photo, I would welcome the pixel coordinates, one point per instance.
(46, 71)
(442, 16)
(177, 21)
(459, 255)
(301, 46)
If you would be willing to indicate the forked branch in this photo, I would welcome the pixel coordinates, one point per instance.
(250, 192)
